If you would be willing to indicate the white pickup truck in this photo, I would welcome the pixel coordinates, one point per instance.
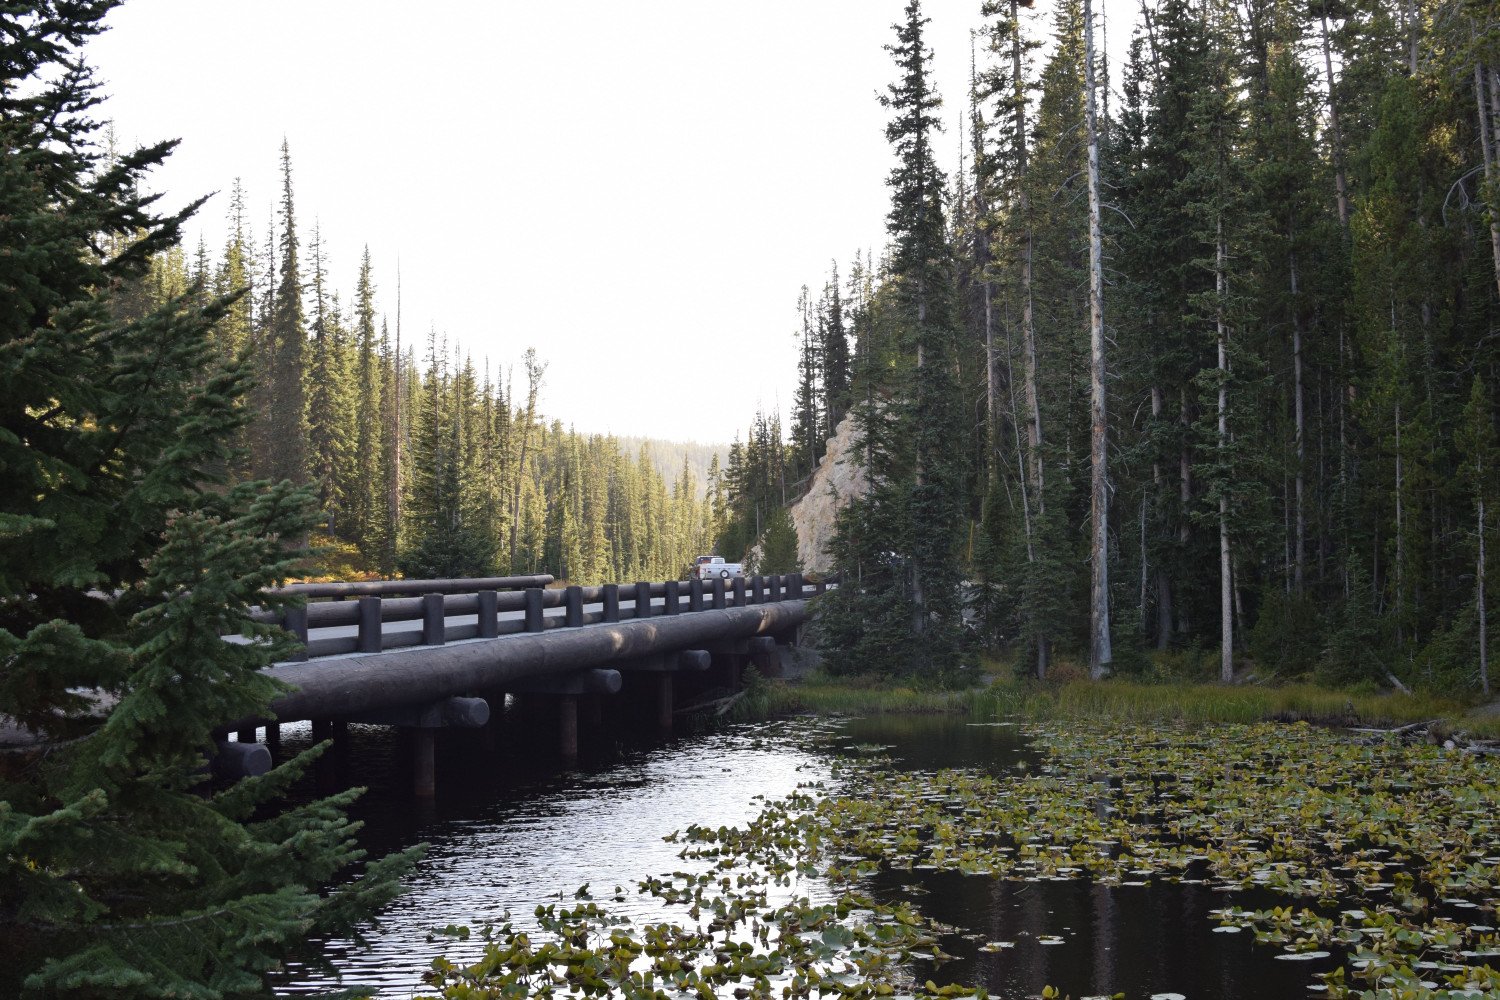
(714, 567)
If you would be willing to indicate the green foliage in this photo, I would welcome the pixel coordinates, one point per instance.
(1357, 641)
(778, 545)
(1449, 663)
(754, 703)
(121, 873)
(1288, 633)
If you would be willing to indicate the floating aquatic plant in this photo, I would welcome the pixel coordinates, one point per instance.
(1388, 856)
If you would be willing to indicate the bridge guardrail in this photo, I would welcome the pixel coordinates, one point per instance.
(620, 602)
(381, 588)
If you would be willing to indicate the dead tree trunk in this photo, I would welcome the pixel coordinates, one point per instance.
(1034, 470)
(1339, 182)
(1100, 653)
(1299, 520)
(1226, 572)
(1487, 107)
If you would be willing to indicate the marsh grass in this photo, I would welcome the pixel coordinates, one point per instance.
(1204, 703)
(821, 695)
(1129, 701)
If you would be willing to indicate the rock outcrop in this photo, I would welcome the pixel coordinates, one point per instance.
(838, 479)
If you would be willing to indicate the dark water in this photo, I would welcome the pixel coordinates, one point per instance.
(508, 836)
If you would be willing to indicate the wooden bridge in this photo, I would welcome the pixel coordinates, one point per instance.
(427, 655)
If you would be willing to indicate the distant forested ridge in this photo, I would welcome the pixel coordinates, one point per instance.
(426, 463)
(1195, 351)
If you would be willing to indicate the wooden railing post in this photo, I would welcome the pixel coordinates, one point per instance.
(674, 597)
(695, 594)
(773, 585)
(821, 587)
(758, 590)
(369, 625)
(719, 601)
(573, 607)
(433, 626)
(489, 614)
(294, 620)
(611, 602)
(534, 621)
(739, 591)
(794, 586)
(643, 600)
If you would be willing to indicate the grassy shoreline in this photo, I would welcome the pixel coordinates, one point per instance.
(1130, 701)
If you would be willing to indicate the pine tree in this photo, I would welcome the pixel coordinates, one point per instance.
(808, 430)
(833, 349)
(330, 425)
(899, 545)
(285, 425)
(366, 499)
(235, 332)
(125, 564)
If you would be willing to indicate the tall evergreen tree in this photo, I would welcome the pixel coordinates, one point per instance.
(900, 544)
(125, 563)
(284, 445)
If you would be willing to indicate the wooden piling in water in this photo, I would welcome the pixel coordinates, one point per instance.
(424, 763)
(664, 702)
(567, 726)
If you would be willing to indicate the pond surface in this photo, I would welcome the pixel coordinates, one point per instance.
(505, 838)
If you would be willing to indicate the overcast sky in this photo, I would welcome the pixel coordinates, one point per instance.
(637, 190)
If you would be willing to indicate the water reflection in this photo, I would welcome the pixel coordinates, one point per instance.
(510, 839)
(1088, 939)
(511, 832)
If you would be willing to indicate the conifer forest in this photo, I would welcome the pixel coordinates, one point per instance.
(426, 462)
(1179, 369)
(1194, 352)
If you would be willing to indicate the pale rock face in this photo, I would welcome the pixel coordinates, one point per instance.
(838, 479)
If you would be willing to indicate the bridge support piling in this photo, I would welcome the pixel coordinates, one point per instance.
(764, 655)
(664, 702)
(489, 733)
(240, 760)
(567, 727)
(424, 763)
(325, 771)
(593, 711)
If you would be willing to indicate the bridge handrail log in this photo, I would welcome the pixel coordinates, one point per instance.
(353, 684)
(370, 612)
(383, 588)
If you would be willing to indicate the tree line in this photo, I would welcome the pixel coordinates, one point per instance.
(1197, 352)
(423, 464)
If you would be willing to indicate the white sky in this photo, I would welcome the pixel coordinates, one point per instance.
(638, 190)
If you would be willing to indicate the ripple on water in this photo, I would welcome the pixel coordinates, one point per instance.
(521, 847)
